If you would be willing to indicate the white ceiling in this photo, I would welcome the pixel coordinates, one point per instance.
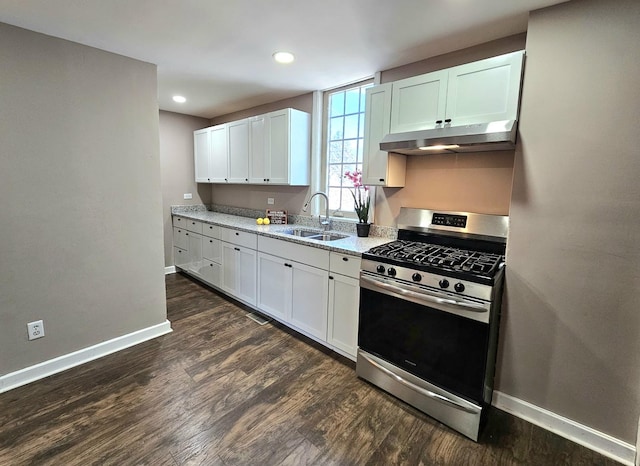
(218, 53)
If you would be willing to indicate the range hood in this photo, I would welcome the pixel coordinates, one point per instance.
(496, 135)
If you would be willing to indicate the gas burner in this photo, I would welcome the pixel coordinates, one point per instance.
(409, 253)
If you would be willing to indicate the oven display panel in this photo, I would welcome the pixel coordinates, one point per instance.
(448, 220)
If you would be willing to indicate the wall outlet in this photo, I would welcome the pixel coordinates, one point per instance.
(270, 201)
(35, 329)
(188, 196)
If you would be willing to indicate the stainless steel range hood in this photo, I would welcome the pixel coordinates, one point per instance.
(497, 135)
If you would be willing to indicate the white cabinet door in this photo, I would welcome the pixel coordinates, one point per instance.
(246, 282)
(289, 147)
(309, 287)
(418, 102)
(259, 149)
(211, 272)
(180, 238)
(180, 257)
(229, 268)
(211, 249)
(202, 155)
(274, 286)
(344, 300)
(238, 141)
(219, 154)
(239, 272)
(380, 168)
(484, 91)
(195, 253)
(278, 147)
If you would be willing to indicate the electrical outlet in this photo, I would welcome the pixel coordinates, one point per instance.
(270, 201)
(35, 329)
(188, 196)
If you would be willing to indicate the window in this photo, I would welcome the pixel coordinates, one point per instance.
(344, 136)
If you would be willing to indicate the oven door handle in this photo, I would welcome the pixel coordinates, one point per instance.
(424, 296)
(423, 391)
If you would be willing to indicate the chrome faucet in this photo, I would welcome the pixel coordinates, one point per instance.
(326, 223)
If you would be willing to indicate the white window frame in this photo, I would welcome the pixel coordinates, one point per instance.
(324, 155)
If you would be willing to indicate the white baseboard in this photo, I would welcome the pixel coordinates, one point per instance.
(67, 361)
(169, 270)
(574, 431)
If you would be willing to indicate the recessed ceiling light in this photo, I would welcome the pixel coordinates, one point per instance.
(179, 99)
(283, 57)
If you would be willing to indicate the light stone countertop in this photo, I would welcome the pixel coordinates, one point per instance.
(351, 245)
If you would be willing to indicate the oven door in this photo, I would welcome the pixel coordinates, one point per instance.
(425, 337)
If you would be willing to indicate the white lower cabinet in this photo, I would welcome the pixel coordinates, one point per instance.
(239, 272)
(274, 286)
(312, 290)
(294, 293)
(309, 287)
(195, 253)
(180, 257)
(211, 270)
(344, 299)
(344, 302)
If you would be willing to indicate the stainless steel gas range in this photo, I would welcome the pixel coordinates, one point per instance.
(429, 312)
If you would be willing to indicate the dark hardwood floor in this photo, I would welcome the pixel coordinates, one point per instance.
(222, 390)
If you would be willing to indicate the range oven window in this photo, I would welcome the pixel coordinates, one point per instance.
(445, 349)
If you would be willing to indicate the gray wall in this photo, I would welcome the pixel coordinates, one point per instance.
(81, 210)
(571, 326)
(178, 170)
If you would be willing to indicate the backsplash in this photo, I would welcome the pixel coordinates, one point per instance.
(304, 220)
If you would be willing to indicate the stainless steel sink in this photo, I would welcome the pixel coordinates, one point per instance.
(328, 237)
(314, 234)
(302, 232)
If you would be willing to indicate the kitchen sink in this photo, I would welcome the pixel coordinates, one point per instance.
(314, 234)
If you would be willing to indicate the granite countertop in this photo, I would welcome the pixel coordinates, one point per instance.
(352, 244)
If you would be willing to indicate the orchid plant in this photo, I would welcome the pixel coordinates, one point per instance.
(360, 195)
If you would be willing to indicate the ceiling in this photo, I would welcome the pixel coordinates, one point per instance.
(218, 53)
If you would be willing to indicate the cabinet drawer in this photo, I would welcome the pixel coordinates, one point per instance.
(180, 238)
(345, 264)
(211, 249)
(212, 231)
(296, 252)
(179, 221)
(241, 238)
(194, 226)
(211, 272)
(180, 257)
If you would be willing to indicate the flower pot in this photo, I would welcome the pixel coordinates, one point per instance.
(363, 229)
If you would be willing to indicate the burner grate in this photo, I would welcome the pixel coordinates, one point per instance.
(442, 257)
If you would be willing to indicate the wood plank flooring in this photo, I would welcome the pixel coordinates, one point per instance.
(222, 390)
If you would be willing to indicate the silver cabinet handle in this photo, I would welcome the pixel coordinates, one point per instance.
(423, 391)
(425, 296)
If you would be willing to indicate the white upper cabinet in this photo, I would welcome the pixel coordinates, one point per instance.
(202, 158)
(210, 154)
(219, 154)
(273, 148)
(280, 148)
(418, 102)
(258, 149)
(484, 91)
(479, 92)
(238, 150)
(380, 168)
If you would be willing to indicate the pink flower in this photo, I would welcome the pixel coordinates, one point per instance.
(361, 202)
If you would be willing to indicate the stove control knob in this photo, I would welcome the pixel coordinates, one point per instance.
(381, 269)
(459, 287)
(444, 283)
(416, 277)
(391, 272)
